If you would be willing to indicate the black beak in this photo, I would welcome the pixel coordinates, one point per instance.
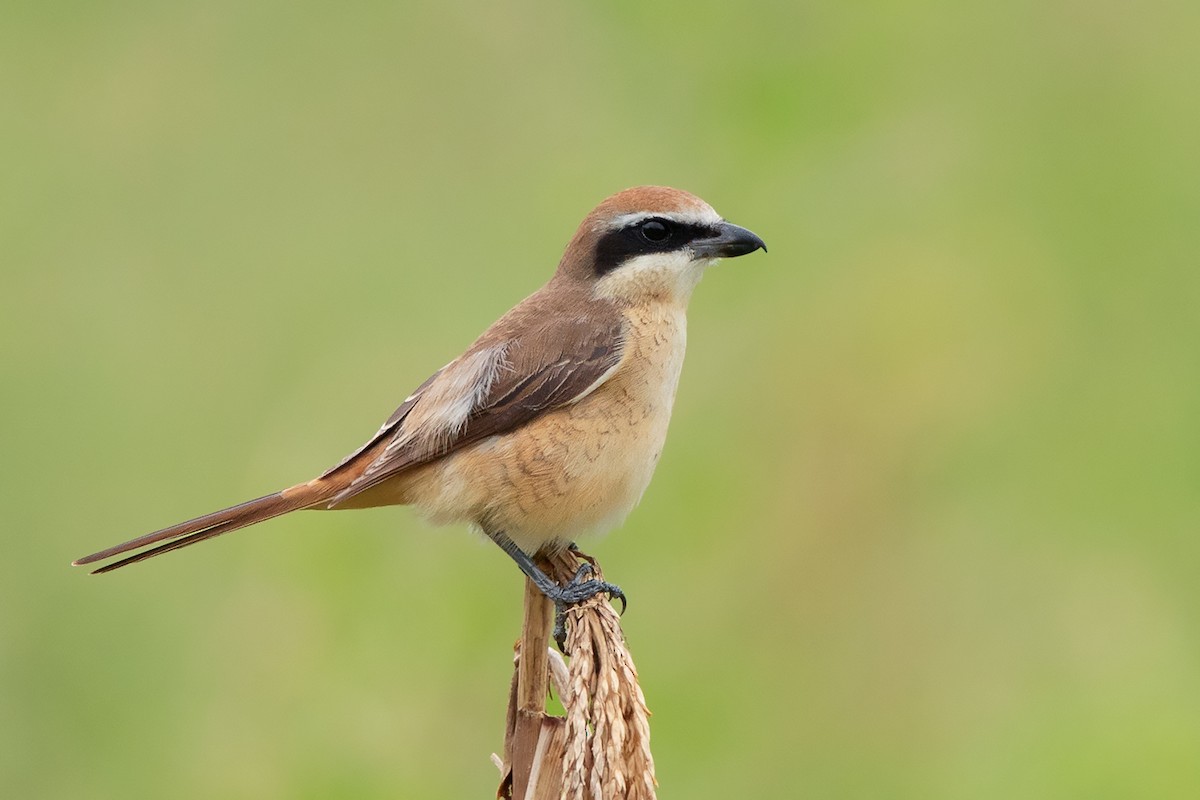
(730, 241)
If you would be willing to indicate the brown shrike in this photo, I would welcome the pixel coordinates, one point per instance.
(549, 426)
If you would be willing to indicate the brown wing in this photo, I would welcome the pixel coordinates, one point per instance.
(523, 367)
(388, 429)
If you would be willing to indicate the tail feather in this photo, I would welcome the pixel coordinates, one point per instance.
(210, 525)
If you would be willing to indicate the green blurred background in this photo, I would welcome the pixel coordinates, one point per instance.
(926, 523)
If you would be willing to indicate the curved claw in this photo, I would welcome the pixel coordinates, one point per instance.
(573, 592)
(616, 593)
(577, 590)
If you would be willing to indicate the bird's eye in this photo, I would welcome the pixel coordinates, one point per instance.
(655, 231)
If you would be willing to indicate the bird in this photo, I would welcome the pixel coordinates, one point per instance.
(550, 425)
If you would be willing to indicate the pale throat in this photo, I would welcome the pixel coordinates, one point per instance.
(657, 277)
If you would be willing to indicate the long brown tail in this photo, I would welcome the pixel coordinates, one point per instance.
(229, 519)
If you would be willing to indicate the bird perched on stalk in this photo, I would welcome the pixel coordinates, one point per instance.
(550, 425)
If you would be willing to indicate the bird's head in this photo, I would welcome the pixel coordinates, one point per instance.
(651, 242)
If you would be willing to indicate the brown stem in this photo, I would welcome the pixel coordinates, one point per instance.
(533, 676)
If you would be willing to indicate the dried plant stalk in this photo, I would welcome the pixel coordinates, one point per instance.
(527, 696)
(602, 747)
(608, 725)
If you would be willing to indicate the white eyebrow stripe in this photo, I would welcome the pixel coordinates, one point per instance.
(700, 217)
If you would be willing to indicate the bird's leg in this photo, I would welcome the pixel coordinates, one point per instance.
(575, 591)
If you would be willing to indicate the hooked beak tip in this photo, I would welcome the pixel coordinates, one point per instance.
(731, 241)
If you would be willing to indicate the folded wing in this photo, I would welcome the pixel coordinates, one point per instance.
(517, 371)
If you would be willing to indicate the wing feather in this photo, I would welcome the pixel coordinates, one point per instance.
(499, 384)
